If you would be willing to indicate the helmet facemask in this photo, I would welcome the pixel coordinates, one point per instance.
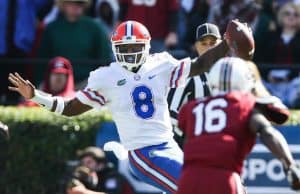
(131, 55)
(131, 44)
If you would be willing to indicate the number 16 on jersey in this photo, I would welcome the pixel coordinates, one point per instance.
(210, 117)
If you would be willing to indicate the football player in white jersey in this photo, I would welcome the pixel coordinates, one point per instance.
(135, 89)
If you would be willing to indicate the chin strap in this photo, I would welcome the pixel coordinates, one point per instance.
(133, 69)
(136, 69)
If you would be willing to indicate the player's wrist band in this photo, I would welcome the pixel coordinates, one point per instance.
(54, 104)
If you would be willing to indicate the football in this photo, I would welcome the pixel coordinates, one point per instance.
(240, 39)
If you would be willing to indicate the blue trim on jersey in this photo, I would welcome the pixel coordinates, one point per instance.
(143, 105)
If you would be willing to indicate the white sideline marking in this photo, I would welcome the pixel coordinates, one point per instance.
(260, 148)
(269, 190)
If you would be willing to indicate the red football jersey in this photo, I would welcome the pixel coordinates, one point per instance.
(154, 14)
(217, 132)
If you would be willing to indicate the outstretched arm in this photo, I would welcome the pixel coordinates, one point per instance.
(272, 138)
(75, 107)
(52, 103)
(277, 144)
(205, 62)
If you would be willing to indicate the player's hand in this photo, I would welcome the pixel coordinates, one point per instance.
(293, 176)
(247, 26)
(79, 189)
(24, 87)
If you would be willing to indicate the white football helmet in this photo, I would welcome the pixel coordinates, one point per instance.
(230, 74)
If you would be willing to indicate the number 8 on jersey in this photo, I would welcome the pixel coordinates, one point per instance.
(142, 98)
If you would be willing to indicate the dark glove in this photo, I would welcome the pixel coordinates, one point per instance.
(273, 109)
(293, 176)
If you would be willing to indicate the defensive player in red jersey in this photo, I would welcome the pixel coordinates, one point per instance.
(221, 131)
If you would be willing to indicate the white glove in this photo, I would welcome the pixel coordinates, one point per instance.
(293, 177)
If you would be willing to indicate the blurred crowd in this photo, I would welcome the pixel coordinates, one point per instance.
(72, 37)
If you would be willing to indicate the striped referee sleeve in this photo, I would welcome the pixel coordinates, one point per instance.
(196, 87)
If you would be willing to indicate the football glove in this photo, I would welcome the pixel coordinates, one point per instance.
(273, 109)
(293, 177)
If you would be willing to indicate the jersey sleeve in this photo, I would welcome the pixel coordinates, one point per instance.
(91, 95)
(180, 70)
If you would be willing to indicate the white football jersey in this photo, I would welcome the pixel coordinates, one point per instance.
(138, 101)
